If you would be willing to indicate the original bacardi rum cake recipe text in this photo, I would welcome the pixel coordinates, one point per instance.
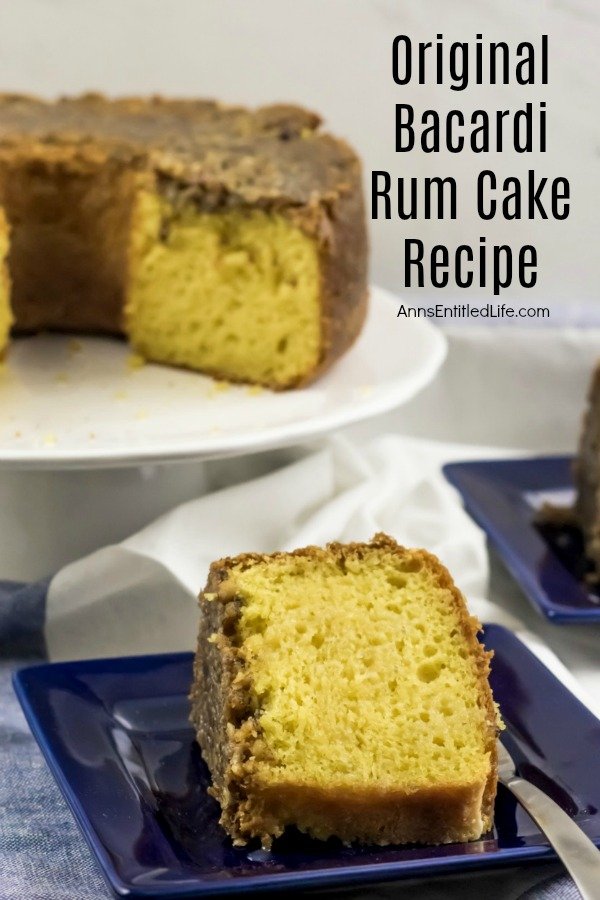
(524, 130)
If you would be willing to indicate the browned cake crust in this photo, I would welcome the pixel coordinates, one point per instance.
(229, 735)
(74, 276)
(587, 474)
(4, 275)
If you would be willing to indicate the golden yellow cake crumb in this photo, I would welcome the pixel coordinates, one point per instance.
(216, 388)
(49, 440)
(135, 361)
(74, 346)
(342, 690)
(255, 389)
(256, 276)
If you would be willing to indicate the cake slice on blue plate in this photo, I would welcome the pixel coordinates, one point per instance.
(344, 691)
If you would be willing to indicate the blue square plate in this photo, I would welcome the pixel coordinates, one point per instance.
(115, 734)
(548, 562)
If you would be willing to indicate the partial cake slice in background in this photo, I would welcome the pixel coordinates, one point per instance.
(344, 691)
(587, 476)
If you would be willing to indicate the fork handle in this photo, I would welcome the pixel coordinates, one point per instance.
(576, 851)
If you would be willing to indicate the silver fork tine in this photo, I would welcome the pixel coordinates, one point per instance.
(577, 853)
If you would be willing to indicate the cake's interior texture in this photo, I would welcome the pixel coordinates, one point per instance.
(5, 309)
(69, 219)
(361, 672)
(217, 238)
(232, 292)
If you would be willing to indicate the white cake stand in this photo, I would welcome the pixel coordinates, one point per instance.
(93, 447)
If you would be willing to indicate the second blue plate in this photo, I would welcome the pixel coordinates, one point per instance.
(548, 562)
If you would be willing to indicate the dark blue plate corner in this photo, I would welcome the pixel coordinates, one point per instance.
(548, 562)
(116, 736)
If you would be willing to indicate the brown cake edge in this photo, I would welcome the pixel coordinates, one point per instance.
(344, 275)
(222, 712)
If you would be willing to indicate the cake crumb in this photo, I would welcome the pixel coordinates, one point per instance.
(49, 440)
(74, 346)
(218, 387)
(135, 361)
(254, 389)
(18, 434)
(61, 377)
(92, 436)
(141, 414)
(120, 395)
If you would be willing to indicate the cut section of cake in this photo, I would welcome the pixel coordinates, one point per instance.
(343, 691)
(213, 237)
(587, 475)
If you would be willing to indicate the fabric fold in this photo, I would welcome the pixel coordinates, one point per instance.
(140, 596)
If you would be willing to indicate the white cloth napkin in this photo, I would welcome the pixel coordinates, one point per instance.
(140, 596)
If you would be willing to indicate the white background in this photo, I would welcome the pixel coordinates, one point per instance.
(335, 56)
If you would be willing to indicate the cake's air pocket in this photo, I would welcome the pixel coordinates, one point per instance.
(233, 293)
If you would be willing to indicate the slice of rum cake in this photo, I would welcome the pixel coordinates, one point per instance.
(344, 691)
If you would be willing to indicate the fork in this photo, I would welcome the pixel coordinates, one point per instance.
(574, 848)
